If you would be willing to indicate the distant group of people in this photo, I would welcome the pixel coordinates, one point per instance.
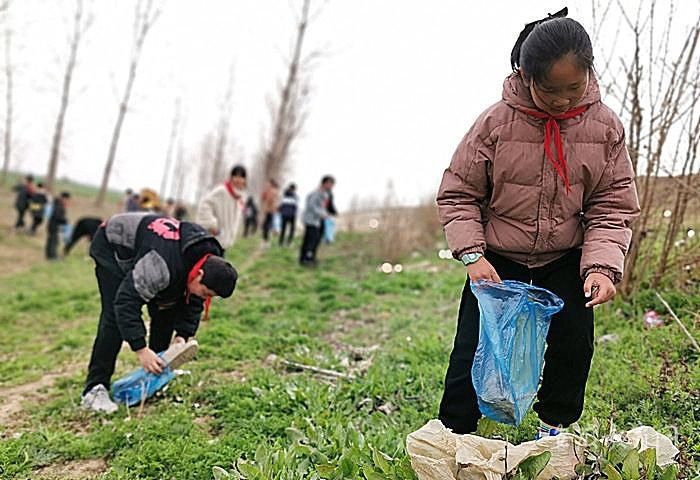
(223, 212)
(34, 205)
(34, 199)
(228, 207)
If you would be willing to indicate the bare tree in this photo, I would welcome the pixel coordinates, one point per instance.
(656, 85)
(7, 153)
(288, 113)
(171, 146)
(81, 22)
(685, 190)
(177, 189)
(226, 110)
(653, 121)
(207, 151)
(145, 16)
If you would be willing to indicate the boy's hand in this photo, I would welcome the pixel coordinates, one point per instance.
(599, 288)
(482, 270)
(150, 362)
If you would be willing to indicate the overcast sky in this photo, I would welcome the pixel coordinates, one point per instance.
(400, 82)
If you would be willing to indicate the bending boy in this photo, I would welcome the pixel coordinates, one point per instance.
(173, 267)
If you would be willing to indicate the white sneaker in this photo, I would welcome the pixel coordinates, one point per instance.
(97, 400)
(180, 353)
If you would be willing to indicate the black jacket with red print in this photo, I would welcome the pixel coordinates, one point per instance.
(153, 255)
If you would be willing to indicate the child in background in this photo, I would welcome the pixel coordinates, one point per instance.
(288, 213)
(516, 207)
(221, 211)
(269, 200)
(56, 221)
(24, 191)
(37, 206)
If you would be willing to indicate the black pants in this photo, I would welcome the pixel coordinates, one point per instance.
(251, 226)
(567, 358)
(287, 226)
(20, 217)
(312, 238)
(36, 221)
(85, 227)
(108, 341)
(267, 226)
(51, 242)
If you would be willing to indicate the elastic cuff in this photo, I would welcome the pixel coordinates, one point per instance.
(137, 343)
(458, 254)
(614, 276)
(551, 423)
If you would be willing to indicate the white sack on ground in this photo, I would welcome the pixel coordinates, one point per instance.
(438, 454)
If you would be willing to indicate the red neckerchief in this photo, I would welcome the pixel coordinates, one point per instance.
(191, 276)
(551, 130)
(234, 194)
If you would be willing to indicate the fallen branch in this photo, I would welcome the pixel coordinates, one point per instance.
(680, 324)
(320, 371)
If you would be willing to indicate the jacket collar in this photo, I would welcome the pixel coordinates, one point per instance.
(517, 95)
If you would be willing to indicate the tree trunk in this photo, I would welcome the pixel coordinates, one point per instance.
(285, 118)
(65, 98)
(171, 146)
(8, 104)
(144, 18)
(178, 187)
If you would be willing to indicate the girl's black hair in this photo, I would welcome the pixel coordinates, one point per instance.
(544, 41)
(239, 171)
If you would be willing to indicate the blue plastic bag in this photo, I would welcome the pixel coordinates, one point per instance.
(139, 385)
(513, 325)
(329, 230)
(66, 233)
(276, 222)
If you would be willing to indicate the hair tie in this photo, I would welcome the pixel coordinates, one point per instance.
(515, 54)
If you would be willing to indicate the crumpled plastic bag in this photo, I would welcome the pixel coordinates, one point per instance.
(140, 385)
(646, 437)
(438, 454)
(513, 324)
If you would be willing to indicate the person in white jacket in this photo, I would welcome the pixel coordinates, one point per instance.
(221, 211)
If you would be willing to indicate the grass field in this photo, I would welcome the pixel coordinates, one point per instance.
(242, 408)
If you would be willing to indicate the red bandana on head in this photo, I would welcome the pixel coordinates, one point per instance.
(551, 130)
(191, 276)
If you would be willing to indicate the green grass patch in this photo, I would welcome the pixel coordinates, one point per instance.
(240, 411)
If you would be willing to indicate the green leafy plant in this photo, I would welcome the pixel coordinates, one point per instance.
(617, 460)
(531, 467)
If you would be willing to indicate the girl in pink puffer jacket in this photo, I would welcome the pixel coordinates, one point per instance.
(540, 190)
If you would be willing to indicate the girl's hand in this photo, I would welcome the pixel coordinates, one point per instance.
(482, 270)
(599, 288)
